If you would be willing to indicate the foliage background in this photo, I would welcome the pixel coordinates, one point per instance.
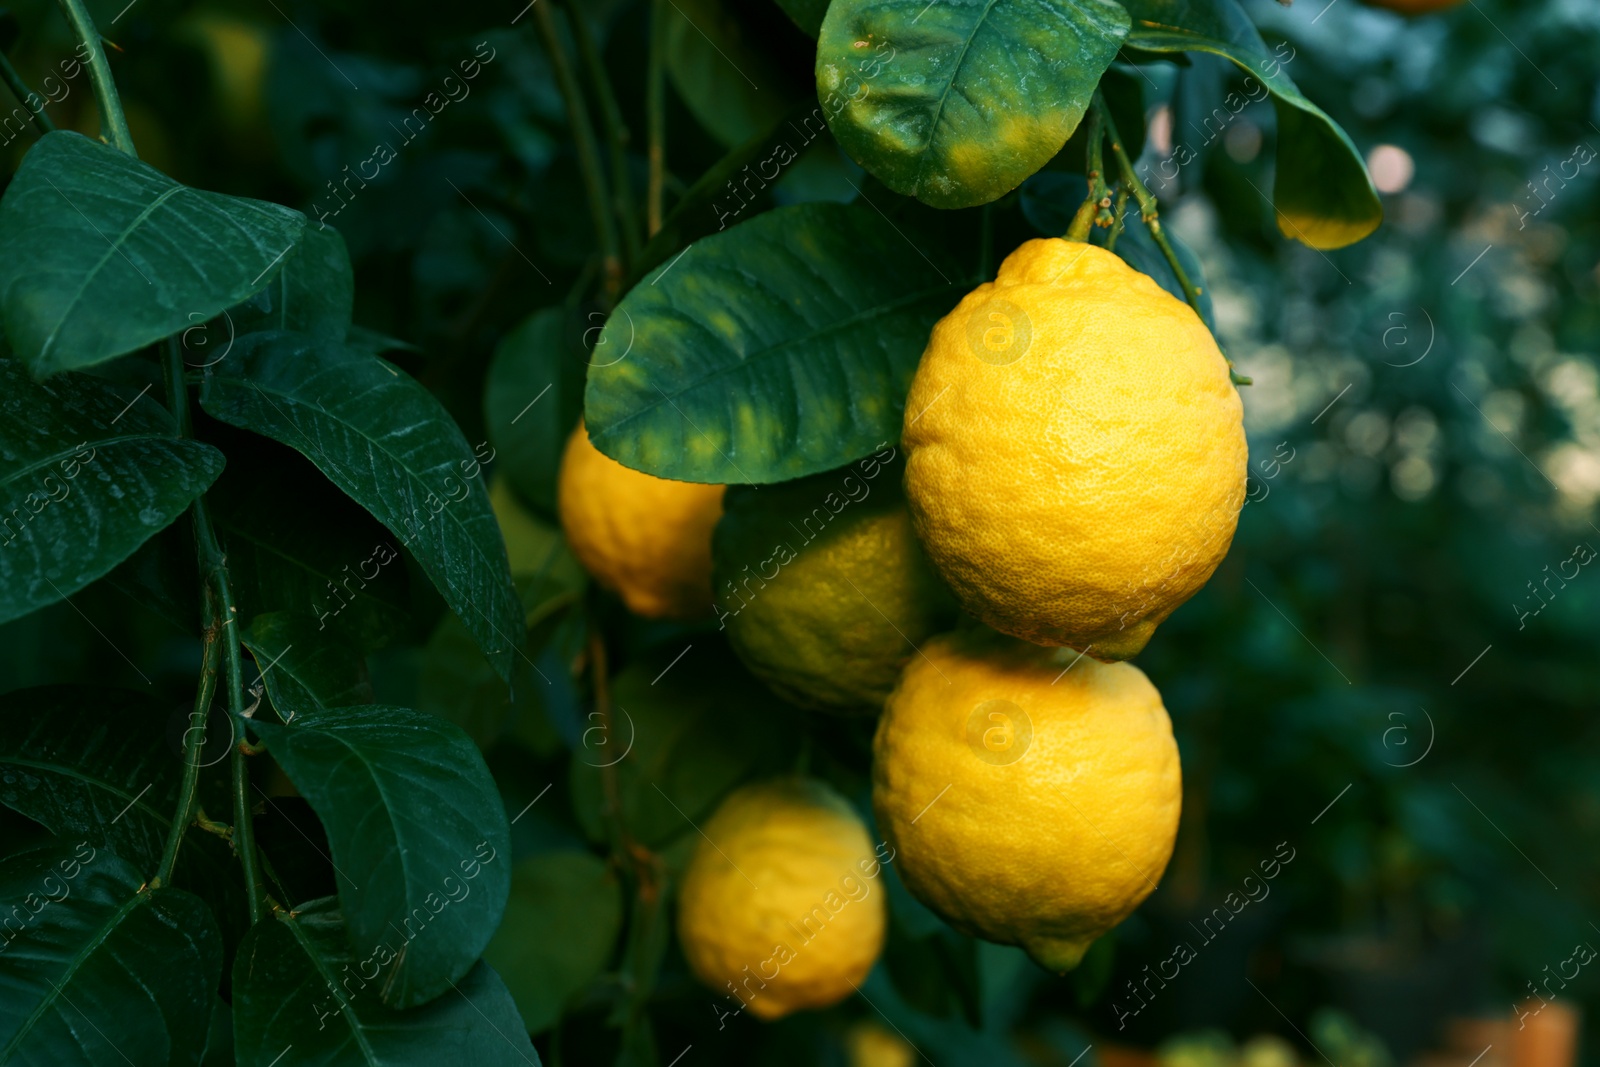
(1441, 407)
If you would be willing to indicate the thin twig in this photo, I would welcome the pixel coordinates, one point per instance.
(616, 130)
(656, 115)
(1117, 211)
(1083, 220)
(25, 96)
(105, 90)
(194, 739)
(587, 147)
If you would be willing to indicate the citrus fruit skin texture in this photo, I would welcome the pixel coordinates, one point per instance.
(1063, 791)
(785, 911)
(647, 538)
(1076, 450)
(823, 588)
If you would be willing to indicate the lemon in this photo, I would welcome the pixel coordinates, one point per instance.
(823, 588)
(1075, 450)
(868, 1044)
(1031, 794)
(781, 908)
(647, 538)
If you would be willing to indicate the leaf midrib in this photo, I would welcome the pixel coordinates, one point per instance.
(96, 445)
(955, 72)
(770, 351)
(347, 1003)
(115, 247)
(74, 773)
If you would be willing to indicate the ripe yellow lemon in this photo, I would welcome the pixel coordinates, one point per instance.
(781, 906)
(1075, 450)
(823, 588)
(870, 1044)
(1031, 795)
(647, 538)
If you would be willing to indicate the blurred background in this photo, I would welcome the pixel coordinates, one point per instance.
(1387, 695)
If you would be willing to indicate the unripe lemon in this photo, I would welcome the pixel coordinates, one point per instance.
(780, 906)
(823, 588)
(1031, 794)
(1075, 450)
(647, 538)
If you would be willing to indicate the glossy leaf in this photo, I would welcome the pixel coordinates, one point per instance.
(560, 929)
(532, 400)
(303, 665)
(313, 292)
(298, 986)
(101, 254)
(1322, 194)
(102, 971)
(779, 348)
(389, 444)
(296, 543)
(413, 820)
(957, 102)
(87, 475)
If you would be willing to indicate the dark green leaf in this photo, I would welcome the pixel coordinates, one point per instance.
(957, 102)
(296, 543)
(102, 971)
(297, 985)
(314, 292)
(533, 398)
(1322, 193)
(101, 254)
(560, 929)
(714, 64)
(87, 475)
(103, 766)
(305, 666)
(682, 735)
(807, 14)
(413, 819)
(384, 440)
(779, 348)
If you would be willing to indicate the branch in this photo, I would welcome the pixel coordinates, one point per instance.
(587, 146)
(25, 96)
(656, 111)
(616, 130)
(105, 90)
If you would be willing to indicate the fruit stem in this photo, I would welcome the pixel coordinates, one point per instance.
(1117, 212)
(105, 90)
(655, 102)
(25, 96)
(587, 146)
(1151, 217)
(616, 130)
(1094, 167)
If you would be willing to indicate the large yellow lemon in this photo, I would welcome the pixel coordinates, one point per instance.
(1031, 795)
(647, 538)
(782, 906)
(1076, 450)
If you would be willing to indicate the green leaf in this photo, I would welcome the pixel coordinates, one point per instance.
(87, 475)
(957, 102)
(314, 292)
(1322, 194)
(304, 666)
(383, 439)
(101, 254)
(560, 929)
(713, 63)
(807, 14)
(779, 348)
(413, 819)
(296, 543)
(678, 744)
(102, 765)
(101, 971)
(297, 985)
(532, 400)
